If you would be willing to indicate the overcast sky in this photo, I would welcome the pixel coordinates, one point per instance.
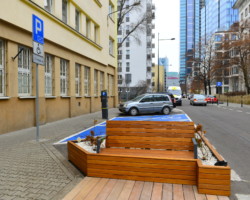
(167, 24)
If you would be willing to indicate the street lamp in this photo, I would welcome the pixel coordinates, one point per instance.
(158, 81)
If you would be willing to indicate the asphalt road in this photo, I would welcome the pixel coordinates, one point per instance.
(228, 129)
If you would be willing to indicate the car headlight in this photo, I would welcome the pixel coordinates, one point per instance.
(125, 105)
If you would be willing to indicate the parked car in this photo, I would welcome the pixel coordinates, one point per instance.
(190, 96)
(198, 99)
(211, 99)
(148, 103)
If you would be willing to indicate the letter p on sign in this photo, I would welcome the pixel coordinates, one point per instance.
(37, 29)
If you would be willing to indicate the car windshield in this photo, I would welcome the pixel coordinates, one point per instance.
(199, 96)
(138, 98)
(176, 92)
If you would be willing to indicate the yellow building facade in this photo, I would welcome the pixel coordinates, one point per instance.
(158, 76)
(79, 60)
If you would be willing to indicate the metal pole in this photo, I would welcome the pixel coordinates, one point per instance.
(158, 81)
(37, 104)
(241, 101)
(227, 100)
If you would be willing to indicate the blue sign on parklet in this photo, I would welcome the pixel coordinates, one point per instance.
(37, 29)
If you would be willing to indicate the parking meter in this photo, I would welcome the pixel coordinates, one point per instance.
(104, 100)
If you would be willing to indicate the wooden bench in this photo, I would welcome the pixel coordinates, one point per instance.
(163, 139)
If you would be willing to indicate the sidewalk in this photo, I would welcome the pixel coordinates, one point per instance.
(37, 170)
(233, 105)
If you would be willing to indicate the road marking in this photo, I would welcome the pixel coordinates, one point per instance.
(242, 196)
(235, 176)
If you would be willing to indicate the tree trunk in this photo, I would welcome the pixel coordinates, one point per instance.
(205, 86)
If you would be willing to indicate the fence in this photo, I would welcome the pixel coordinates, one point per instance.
(245, 99)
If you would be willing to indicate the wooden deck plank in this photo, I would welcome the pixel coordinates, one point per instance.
(211, 197)
(188, 192)
(127, 189)
(223, 198)
(157, 191)
(84, 191)
(147, 191)
(116, 190)
(167, 192)
(97, 189)
(106, 190)
(197, 195)
(177, 192)
(137, 190)
(72, 194)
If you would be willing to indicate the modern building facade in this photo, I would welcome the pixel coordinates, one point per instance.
(79, 60)
(134, 59)
(172, 79)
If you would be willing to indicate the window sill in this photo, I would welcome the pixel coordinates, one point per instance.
(27, 97)
(65, 97)
(78, 96)
(87, 96)
(4, 98)
(50, 97)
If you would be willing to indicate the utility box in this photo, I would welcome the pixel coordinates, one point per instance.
(104, 100)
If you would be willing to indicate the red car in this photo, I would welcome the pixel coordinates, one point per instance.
(211, 99)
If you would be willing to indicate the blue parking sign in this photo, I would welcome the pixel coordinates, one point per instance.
(37, 29)
(219, 84)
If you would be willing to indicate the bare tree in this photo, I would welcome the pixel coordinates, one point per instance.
(135, 27)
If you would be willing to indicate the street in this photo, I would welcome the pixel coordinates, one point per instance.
(228, 130)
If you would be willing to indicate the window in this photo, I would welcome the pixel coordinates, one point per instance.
(96, 39)
(111, 46)
(241, 16)
(78, 79)
(101, 81)
(77, 20)
(64, 10)
(2, 69)
(95, 82)
(128, 78)
(24, 72)
(110, 85)
(111, 10)
(87, 27)
(86, 81)
(63, 77)
(48, 75)
(246, 12)
(48, 5)
(127, 66)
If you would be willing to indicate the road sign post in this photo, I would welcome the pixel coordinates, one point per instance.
(38, 58)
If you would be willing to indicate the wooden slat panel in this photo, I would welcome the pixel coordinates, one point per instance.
(188, 192)
(165, 133)
(157, 191)
(218, 187)
(138, 178)
(146, 131)
(149, 139)
(147, 191)
(162, 170)
(178, 192)
(95, 158)
(106, 190)
(214, 192)
(214, 182)
(126, 191)
(137, 190)
(211, 197)
(150, 122)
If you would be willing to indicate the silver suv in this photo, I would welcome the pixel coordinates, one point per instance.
(148, 103)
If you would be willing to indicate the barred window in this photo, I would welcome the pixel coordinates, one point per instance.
(110, 85)
(78, 79)
(48, 75)
(64, 77)
(86, 81)
(95, 82)
(24, 72)
(101, 81)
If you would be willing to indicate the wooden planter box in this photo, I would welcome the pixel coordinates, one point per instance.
(209, 179)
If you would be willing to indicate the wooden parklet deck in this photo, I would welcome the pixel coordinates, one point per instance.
(91, 188)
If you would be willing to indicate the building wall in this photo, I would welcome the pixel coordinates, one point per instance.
(62, 41)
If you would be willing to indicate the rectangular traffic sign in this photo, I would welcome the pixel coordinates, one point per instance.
(38, 49)
(37, 29)
(38, 59)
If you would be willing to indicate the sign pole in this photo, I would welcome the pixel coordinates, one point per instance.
(37, 105)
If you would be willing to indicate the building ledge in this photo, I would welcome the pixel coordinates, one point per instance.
(4, 98)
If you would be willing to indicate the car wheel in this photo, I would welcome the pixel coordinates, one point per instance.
(190, 103)
(166, 110)
(181, 104)
(133, 111)
(205, 104)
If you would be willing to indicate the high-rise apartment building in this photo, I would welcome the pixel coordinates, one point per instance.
(79, 60)
(135, 59)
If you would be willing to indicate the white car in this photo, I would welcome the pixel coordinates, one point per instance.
(198, 99)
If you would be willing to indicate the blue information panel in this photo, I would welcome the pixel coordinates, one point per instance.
(37, 29)
(218, 84)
